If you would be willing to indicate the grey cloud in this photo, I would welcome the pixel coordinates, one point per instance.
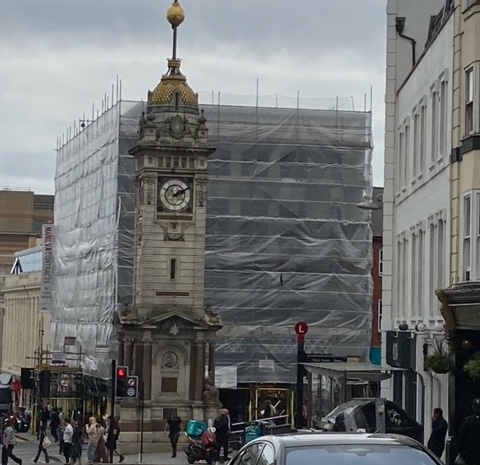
(266, 26)
(64, 54)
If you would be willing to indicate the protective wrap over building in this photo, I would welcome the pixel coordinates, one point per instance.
(285, 239)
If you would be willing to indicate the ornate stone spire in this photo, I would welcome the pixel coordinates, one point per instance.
(173, 117)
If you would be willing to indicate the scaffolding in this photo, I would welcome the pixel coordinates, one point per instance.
(285, 241)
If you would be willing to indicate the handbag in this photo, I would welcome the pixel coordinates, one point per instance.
(46, 442)
(459, 460)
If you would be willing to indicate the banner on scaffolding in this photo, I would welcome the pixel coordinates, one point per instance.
(47, 262)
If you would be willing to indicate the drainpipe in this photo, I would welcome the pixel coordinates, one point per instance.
(400, 27)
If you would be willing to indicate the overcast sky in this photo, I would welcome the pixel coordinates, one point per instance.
(60, 56)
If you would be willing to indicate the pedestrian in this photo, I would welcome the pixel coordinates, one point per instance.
(42, 445)
(469, 436)
(174, 427)
(436, 443)
(54, 424)
(9, 441)
(61, 430)
(112, 438)
(92, 433)
(222, 429)
(269, 410)
(101, 450)
(67, 440)
(77, 444)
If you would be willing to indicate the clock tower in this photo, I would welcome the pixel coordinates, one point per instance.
(167, 336)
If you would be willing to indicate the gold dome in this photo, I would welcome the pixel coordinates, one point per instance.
(175, 14)
(168, 87)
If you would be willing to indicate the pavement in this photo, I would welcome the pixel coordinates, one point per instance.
(27, 446)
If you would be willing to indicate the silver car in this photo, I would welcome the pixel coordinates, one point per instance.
(334, 449)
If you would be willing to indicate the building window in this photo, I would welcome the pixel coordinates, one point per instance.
(441, 254)
(407, 154)
(423, 138)
(467, 246)
(401, 158)
(380, 262)
(416, 144)
(421, 273)
(477, 236)
(443, 117)
(398, 282)
(435, 125)
(379, 316)
(404, 278)
(432, 264)
(414, 277)
(469, 101)
(173, 268)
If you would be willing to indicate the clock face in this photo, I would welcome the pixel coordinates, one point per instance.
(175, 195)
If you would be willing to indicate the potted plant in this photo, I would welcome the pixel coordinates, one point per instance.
(472, 367)
(439, 361)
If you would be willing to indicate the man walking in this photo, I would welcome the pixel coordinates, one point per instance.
(174, 426)
(436, 443)
(67, 440)
(9, 441)
(469, 436)
(112, 438)
(222, 428)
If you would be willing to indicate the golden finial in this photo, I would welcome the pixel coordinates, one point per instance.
(175, 14)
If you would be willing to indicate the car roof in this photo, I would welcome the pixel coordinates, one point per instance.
(316, 439)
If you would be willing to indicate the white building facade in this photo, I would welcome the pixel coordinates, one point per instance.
(416, 199)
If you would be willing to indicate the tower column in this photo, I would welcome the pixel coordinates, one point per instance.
(193, 370)
(128, 352)
(211, 361)
(147, 369)
(200, 371)
(137, 367)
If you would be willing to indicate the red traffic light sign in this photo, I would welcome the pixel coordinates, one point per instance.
(121, 372)
(301, 328)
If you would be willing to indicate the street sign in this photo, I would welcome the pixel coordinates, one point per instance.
(301, 328)
(131, 382)
(131, 392)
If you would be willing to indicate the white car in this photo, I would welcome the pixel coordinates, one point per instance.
(334, 449)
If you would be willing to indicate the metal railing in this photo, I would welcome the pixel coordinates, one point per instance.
(245, 431)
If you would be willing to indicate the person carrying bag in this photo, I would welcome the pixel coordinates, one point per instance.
(43, 445)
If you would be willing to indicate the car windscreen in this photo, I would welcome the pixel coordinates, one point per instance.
(358, 454)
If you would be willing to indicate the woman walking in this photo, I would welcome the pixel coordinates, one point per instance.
(41, 445)
(77, 444)
(92, 433)
(9, 441)
(101, 450)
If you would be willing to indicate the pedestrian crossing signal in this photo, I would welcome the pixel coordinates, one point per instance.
(126, 385)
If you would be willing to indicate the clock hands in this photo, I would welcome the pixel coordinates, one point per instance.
(180, 192)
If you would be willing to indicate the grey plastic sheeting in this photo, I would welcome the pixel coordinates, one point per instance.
(285, 241)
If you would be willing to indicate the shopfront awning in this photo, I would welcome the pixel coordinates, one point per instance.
(351, 371)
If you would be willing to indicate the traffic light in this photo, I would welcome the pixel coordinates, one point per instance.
(44, 384)
(126, 386)
(121, 382)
